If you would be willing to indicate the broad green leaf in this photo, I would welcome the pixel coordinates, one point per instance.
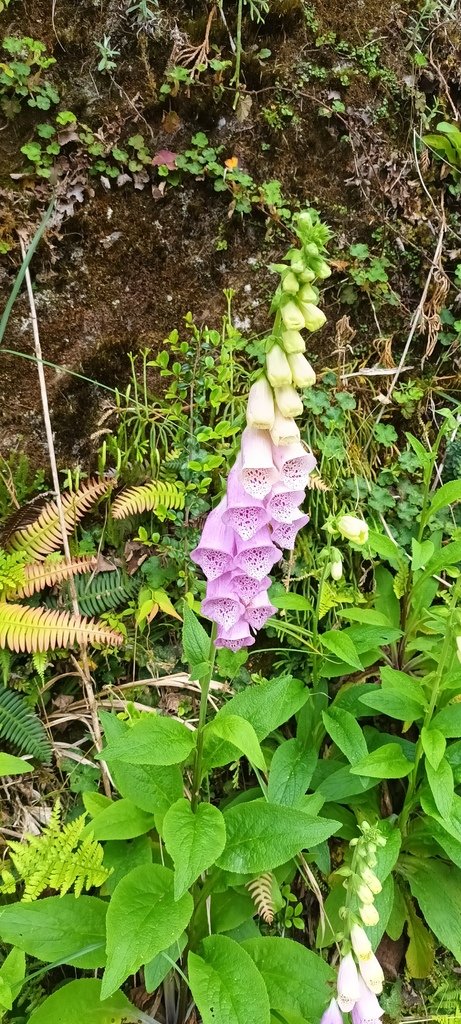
(368, 616)
(230, 909)
(122, 857)
(340, 644)
(395, 705)
(236, 730)
(266, 706)
(448, 721)
(384, 546)
(10, 765)
(158, 968)
(261, 836)
(151, 787)
(122, 820)
(346, 733)
(448, 494)
(79, 1002)
(290, 601)
(226, 985)
(94, 803)
(442, 786)
(341, 784)
(194, 840)
(143, 919)
(12, 974)
(297, 980)
(387, 762)
(420, 953)
(395, 681)
(61, 928)
(421, 553)
(155, 739)
(292, 768)
(196, 642)
(437, 888)
(451, 824)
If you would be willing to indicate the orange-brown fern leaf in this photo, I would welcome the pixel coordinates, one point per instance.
(148, 497)
(40, 538)
(40, 574)
(261, 893)
(43, 629)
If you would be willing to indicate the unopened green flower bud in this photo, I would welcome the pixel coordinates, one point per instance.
(371, 880)
(260, 407)
(290, 283)
(355, 530)
(298, 265)
(285, 431)
(307, 276)
(320, 268)
(365, 894)
(336, 570)
(311, 249)
(293, 341)
(307, 294)
(369, 915)
(288, 401)
(292, 316)
(278, 367)
(301, 370)
(314, 318)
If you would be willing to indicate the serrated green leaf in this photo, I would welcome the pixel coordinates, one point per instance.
(261, 836)
(292, 768)
(340, 644)
(387, 762)
(226, 985)
(79, 1001)
(346, 733)
(194, 840)
(236, 730)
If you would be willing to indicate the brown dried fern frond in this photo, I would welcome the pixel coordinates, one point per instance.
(147, 498)
(260, 890)
(42, 629)
(43, 536)
(40, 574)
(315, 483)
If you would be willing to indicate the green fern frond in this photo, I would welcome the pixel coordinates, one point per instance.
(43, 536)
(44, 629)
(21, 726)
(400, 580)
(61, 858)
(12, 571)
(148, 497)
(40, 662)
(5, 665)
(43, 574)
(105, 591)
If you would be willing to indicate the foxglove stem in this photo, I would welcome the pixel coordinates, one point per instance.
(204, 691)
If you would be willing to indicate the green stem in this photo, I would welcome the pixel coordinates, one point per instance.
(319, 687)
(238, 55)
(205, 688)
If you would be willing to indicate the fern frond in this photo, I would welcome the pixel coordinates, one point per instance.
(400, 580)
(39, 575)
(22, 517)
(43, 629)
(22, 727)
(5, 665)
(148, 497)
(105, 591)
(43, 536)
(260, 890)
(61, 858)
(315, 483)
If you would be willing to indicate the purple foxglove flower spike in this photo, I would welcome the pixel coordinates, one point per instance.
(216, 547)
(259, 610)
(246, 587)
(295, 464)
(244, 514)
(284, 534)
(222, 603)
(236, 637)
(283, 504)
(258, 470)
(332, 1014)
(348, 983)
(257, 556)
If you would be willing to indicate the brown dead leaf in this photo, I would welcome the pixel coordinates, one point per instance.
(171, 122)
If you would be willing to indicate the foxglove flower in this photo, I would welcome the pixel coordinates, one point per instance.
(360, 942)
(348, 989)
(285, 431)
(258, 470)
(260, 406)
(222, 603)
(332, 1014)
(246, 587)
(372, 973)
(283, 504)
(367, 1009)
(294, 464)
(277, 367)
(284, 534)
(244, 514)
(365, 894)
(215, 550)
(236, 637)
(371, 880)
(293, 341)
(369, 915)
(290, 283)
(259, 610)
(288, 402)
(314, 318)
(353, 529)
(257, 555)
(301, 371)
(308, 294)
(293, 318)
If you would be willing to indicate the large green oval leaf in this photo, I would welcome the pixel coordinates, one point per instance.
(152, 740)
(143, 919)
(194, 840)
(79, 1002)
(58, 928)
(120, 820)
(226, 984)
(296, 979)
(261, 836)
(437, 887)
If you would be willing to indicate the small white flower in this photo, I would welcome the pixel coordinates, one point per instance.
(371, 880)
(278, 367)
(293, 341)
(353, 529)
(314, 318)
(288, 401)
(365, 894)
(292, 316)
(360, 942)
(290, 283)
(348, 983)
(285, 430)
(302, 371)
(260, 407)
(336, 570)
(372, 973)
(369, 915)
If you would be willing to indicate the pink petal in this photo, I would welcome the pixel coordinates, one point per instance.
(246, 587)
(259, 610)
(284, 534)
(236, 637)
(257, 556)
(221, 603)
(215, 550)
(258, 470)
(294, 464)
(283, 503)
(245, 514)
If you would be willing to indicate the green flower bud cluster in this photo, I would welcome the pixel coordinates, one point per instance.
(362, 879)
(295, 308)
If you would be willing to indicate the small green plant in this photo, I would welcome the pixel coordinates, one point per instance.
(446, 145)
(107, 61)
(368, 274)
(22, 77)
